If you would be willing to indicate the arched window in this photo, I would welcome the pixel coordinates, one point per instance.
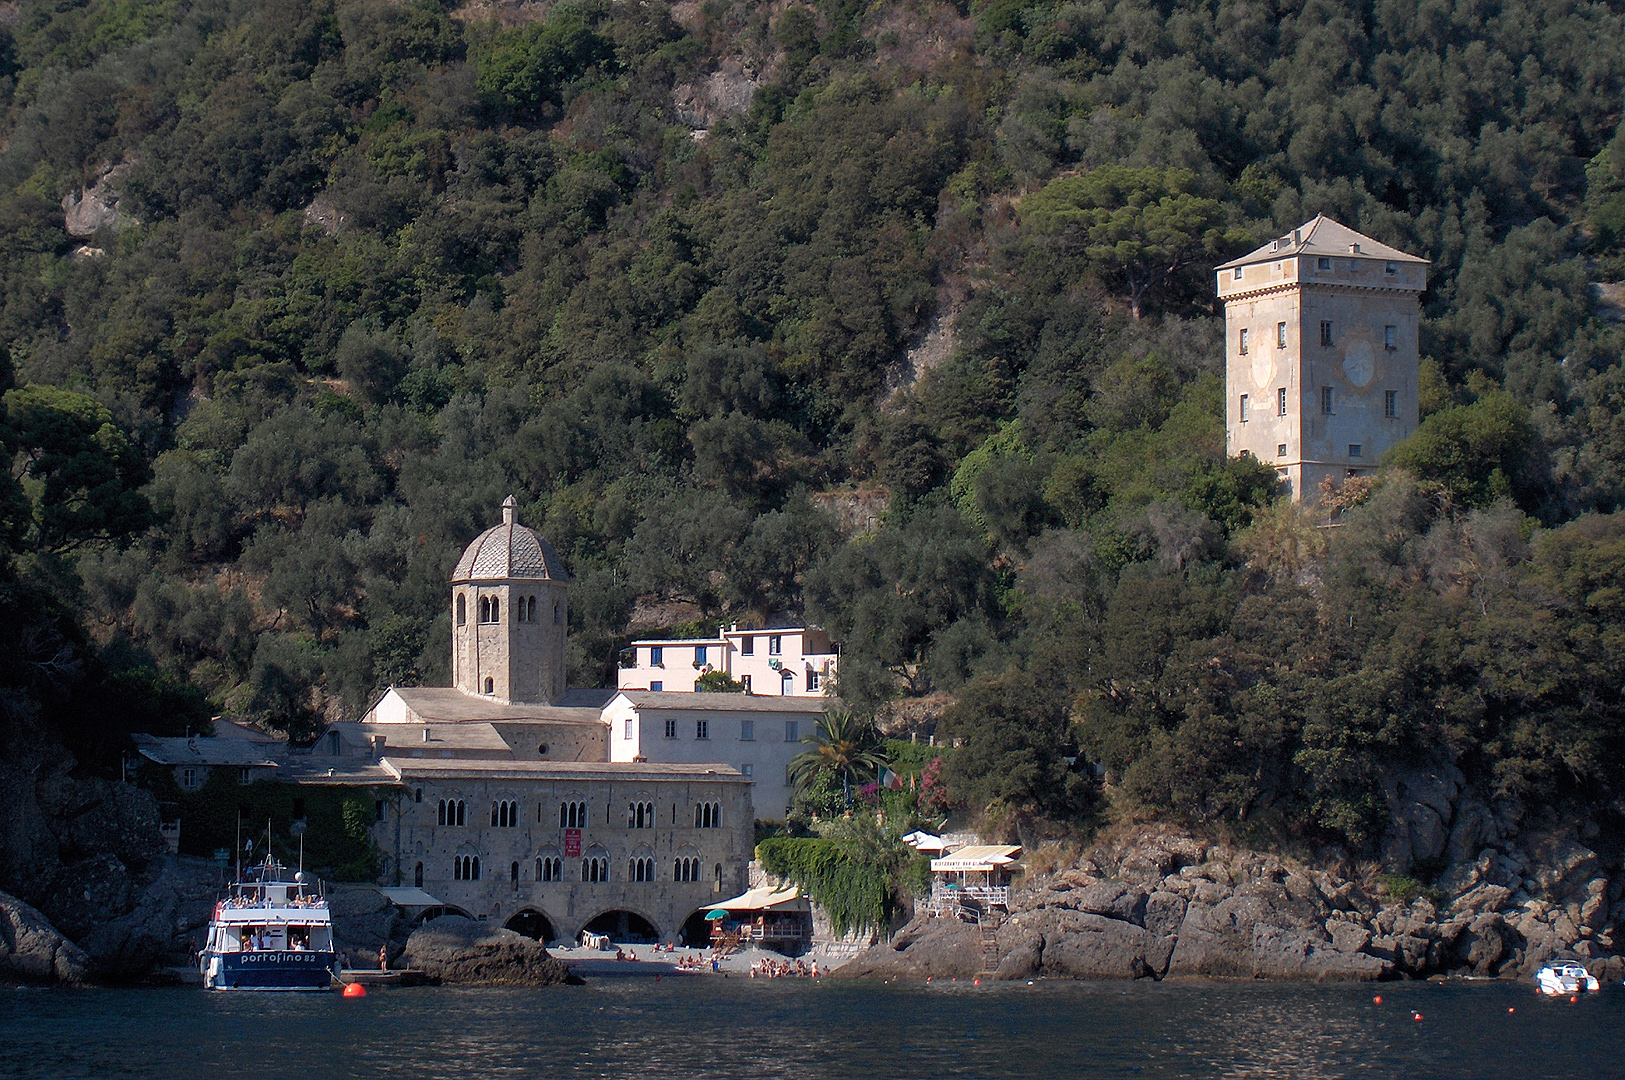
(555, 615)
(451, 812)
(708, 815)
(686, 869)
(573, 815)
(504, 814)
(417, 876)
(530, 613)
(640, 869)
(718, 886)
(417, 795)
(465, 868)
(440, 813)
(640, 815)
(490, 687)
(485, 610)
(513, 873)
(496, 610)
(595, 868)
(462, 610)
(549, 868)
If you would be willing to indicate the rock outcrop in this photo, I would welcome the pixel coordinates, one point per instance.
(461, 952)
(1166, 906)
(33, 951)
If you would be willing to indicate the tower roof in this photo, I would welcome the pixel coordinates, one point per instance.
(509, 550)
(1320, 235)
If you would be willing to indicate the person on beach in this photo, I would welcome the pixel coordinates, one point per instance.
(383, 957)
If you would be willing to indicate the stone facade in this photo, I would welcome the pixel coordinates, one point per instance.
(687, 828)
(510, 614)
(1321, 353)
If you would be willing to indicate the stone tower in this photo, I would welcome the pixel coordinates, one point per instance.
(1320, 352)
(509, 614)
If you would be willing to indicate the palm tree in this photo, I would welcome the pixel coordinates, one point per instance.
(845, 744)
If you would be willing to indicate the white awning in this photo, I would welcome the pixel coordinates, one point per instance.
(410, 898)
(783, 898)
(984, 857)
(920, 840)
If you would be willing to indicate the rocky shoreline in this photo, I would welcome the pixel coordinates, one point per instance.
(1171, 906)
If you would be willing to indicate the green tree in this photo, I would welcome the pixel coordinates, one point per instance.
(80, 472)
(1135, 228)
(843, 745)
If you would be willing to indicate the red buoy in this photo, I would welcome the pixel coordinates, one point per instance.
(1377, 1000)
(355, 990)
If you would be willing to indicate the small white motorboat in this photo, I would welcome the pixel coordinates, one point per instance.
(1566, 977)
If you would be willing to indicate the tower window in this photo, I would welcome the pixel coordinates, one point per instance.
(1354, 449)
(1280, 335)
(1326, 400)
(1242, 409)
(1323, 264)
(1280, 401)
(1390, 338)
(556, 620)
(1390, 403)
(1325, 333)
(1280, 449)
(1391, 268)
(462, 610)
(1241, 340)
(490, 687)
(1236, 274)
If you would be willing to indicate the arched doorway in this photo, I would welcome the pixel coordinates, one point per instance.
(533, 924)
(696, 932)
(623, 925)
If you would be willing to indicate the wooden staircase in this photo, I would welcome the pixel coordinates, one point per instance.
(989, 926)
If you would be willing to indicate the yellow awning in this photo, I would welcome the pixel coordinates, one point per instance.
(985, 857)
(775, 898)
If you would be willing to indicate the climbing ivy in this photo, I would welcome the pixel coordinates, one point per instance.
(858, 875)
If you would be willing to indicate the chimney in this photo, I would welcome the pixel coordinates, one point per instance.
(1297, 236)
(510, 507)
(378, 746)
(1354, 249)
(425, 734)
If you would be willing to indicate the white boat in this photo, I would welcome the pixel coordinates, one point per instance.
(1566, 977)
(271, 931)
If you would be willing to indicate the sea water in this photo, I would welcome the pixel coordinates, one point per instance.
(706, 1026)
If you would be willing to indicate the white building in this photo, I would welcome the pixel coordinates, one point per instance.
(790, 661)
(758, 736)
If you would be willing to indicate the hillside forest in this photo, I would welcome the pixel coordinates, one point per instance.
(896, 317)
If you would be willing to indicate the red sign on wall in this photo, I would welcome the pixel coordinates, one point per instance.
(572, 843)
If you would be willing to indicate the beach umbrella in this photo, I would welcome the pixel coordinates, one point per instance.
(713, 916)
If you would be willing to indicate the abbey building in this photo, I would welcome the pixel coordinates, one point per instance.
(510, 797)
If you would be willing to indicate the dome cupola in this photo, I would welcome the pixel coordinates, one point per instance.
(508, 551)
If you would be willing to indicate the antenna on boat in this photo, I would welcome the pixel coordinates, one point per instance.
(239, 844)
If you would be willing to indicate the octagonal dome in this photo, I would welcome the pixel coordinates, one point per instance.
(508, 550)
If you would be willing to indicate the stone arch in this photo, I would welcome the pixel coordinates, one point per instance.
(533, 923)
(696, 929)
(624, 924)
